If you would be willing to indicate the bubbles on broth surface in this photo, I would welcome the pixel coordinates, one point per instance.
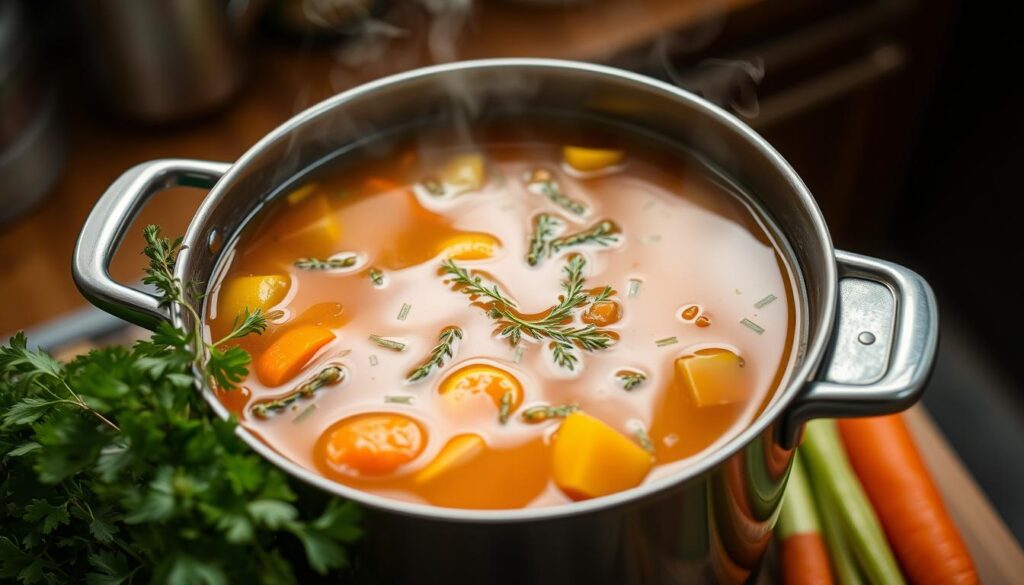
(479, 298)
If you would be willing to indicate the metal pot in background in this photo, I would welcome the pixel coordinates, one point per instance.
(166, 60)
(710, 522)
(32, 142)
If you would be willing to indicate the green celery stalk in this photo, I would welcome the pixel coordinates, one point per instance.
(844, 565)
(798, 515)
(827, 460)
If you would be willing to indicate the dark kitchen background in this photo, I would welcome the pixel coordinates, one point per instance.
(902, 116)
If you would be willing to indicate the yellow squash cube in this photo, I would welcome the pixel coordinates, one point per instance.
(591, 459)
(309, 228)
(591, 159)
(712, 377)
(459, 450)
(254, 292)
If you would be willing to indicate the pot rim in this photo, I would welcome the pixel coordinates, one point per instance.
(801, 374)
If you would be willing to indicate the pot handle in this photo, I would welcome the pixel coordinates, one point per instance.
(882, 348)
(105, 228)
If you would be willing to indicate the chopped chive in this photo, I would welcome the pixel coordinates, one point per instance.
(519, 355)
(377, 277)
(402, 314)
(305, 413)
(398, 399)
(752, 326)
(373, 359)
(765, 302)
(387, 343)
(506, 406)
(329, 264)
(634, 287)
(667, 341)
(644, 439)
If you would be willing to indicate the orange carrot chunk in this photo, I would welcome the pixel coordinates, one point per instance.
(290, 352)
(923, 536)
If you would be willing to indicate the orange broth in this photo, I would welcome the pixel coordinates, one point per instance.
(693, 273)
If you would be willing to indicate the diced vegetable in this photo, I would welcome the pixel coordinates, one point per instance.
(922, 534)
(803, 557)
(591, 159)
(830, 470)
(299, 195)
(374, 443)
(309, 228)
(252, 292)
(469, 247)
(712, 377)
(458, 451)
(290, 352)
(590, 459)
(483, 380)
(602, 313)
(465, 171)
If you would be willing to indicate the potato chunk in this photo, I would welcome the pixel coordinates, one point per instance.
(591, 159)
(591, 459)
(712, 377)
(464, 171)
(458, 451)
(254, 292)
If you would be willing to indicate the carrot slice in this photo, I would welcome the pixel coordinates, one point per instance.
(922, 534)
(290, 352)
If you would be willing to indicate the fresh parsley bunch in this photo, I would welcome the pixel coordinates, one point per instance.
(113, 469)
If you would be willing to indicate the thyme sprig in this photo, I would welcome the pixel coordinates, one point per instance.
(327, 377)
(554, 193)
(565, 339)
(544, 230)
(602, 234)
(222, 368)
(536, 414)
(329, 264)
(443, 350)
(630, 379)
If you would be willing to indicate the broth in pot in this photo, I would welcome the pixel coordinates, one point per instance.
(527, 321)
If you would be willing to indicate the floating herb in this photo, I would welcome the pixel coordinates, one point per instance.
(518, 357)
(543, 230)
(377, 277)
(602, 234)
(765, 302)
(387, 343)
(634, 287)
(630, 379)
(550, 189)
(667, 341)
(328, 376)
(329, 264)
(536, 414)
(373, 359)
(473, 285)
(398, 399)
(752, 326)
(404, 312)
(565, 338)
(305, 413)
(506, 406)
(644, 439)
(442, 350)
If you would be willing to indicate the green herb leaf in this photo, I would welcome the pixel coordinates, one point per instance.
(442, 351)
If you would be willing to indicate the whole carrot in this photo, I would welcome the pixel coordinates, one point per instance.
(923, 536)
(803, 558)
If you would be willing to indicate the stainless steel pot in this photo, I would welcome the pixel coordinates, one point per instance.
(866, 348)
